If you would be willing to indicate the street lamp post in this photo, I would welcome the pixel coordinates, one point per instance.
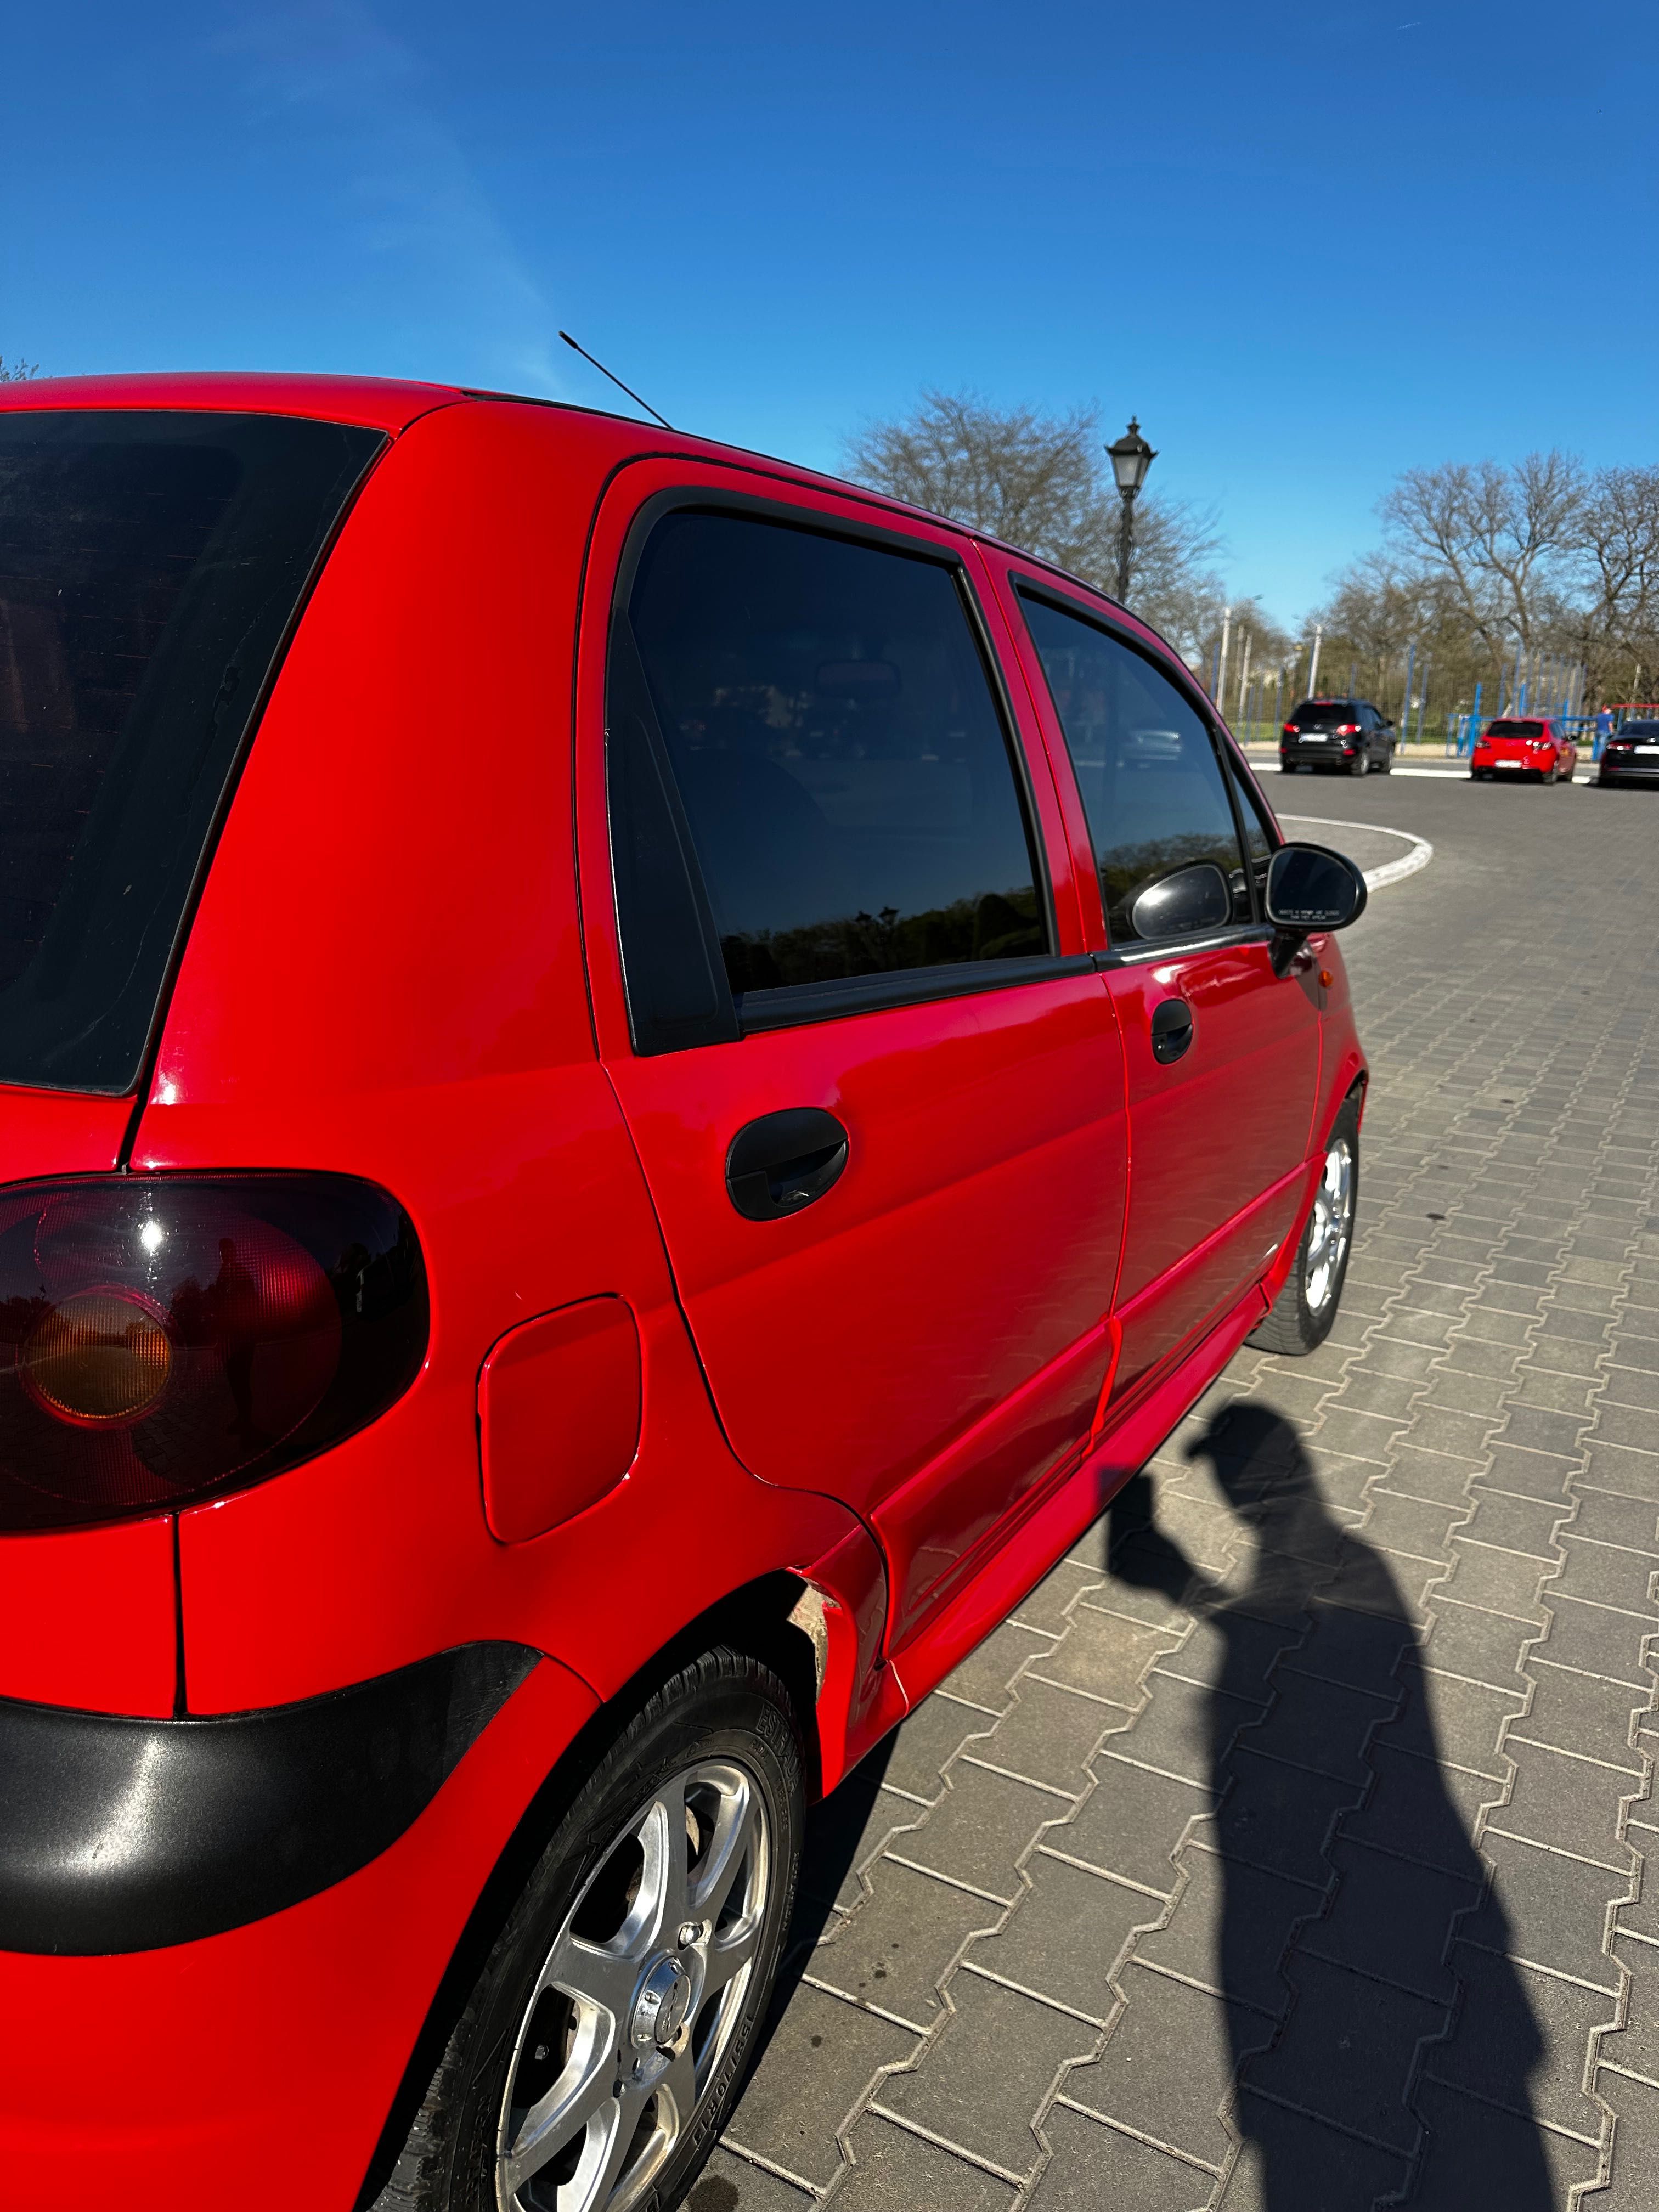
(1131, 458)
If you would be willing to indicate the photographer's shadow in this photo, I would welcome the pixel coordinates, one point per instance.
(1346, 1869)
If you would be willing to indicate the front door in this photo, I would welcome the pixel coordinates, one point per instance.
(864, 1062)
(1222, 1054)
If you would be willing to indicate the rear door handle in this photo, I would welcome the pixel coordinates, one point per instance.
(782, 1162)
(1172, 1030)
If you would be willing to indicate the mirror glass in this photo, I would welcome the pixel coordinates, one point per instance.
(1309, 887)
(1192, 899)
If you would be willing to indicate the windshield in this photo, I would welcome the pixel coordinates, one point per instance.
(151, 564)
(1323, 713)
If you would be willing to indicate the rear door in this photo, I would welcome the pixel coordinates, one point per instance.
(1222, 1054)
(843, 998)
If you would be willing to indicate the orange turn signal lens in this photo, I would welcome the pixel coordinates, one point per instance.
(102, 1358)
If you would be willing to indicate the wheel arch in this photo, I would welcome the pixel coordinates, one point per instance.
(800, 1623)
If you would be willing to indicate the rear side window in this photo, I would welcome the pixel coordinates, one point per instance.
(1151, 785)
(149, 566)
(827, 723)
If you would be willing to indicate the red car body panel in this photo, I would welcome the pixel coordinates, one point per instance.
(1261, 1038)
(403, 966)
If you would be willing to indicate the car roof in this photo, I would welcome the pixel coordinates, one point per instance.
(378, 403)
(392, 404)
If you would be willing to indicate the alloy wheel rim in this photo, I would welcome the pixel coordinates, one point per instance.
(623, 2035)
(1332, 1225)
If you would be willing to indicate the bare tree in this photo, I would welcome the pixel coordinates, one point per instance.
(1615, 624)
(1500, 536)
(18, 372)
(1040, 482)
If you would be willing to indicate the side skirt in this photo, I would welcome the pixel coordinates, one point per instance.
(1042, 1538)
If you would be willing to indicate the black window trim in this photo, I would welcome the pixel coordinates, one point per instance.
(797, 1006)
(1228, 758)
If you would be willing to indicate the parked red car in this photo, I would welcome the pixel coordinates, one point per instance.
(632, 1082)
(1527, 747)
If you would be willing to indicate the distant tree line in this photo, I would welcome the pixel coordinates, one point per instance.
(1487, 575)
(1489, 570)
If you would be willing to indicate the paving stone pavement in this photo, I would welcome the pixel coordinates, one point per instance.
(1295, 1847)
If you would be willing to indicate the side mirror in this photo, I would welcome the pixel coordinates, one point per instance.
(1180, 905)
(1309, 887)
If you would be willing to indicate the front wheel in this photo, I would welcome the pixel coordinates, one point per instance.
(603, 2045)
(1304, 1310)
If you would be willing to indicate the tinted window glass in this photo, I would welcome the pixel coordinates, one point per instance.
(1145, 764)
(1514, 729)
(842, 766)
(150, 564)
(1323, 713)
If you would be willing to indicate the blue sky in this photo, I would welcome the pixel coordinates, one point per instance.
(1309, 246)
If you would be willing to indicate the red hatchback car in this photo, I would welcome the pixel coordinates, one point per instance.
(1528, 746)
(631, 1082)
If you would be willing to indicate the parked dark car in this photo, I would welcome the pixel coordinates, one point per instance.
(1349, 737)
(1631, 756)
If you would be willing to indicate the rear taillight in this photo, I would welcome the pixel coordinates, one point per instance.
(166, 1337)
(1347, 729)
(1289, 729)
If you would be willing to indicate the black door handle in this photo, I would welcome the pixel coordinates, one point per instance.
(782, 1162)
(1172, 1030)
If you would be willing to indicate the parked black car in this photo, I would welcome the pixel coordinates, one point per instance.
(1349, 736)
(1631, 756)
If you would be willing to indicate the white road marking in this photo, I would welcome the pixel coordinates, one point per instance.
(1391, 871)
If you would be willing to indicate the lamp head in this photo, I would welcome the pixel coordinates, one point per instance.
(1131, 458)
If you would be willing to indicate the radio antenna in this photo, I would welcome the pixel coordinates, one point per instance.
(617, 380)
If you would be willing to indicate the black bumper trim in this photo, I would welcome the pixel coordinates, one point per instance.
(132, 1835)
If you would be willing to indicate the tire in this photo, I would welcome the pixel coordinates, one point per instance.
(1362, 763)
(717, 1749)
(1305, 1309)
(1385, 766)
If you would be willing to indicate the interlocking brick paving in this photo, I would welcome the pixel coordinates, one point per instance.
(1296, 1846)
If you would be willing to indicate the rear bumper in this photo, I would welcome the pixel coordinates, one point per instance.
(1306, 755)
(263, 2059)
(1512, 763)
(122, 1835)
(1627, 771)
